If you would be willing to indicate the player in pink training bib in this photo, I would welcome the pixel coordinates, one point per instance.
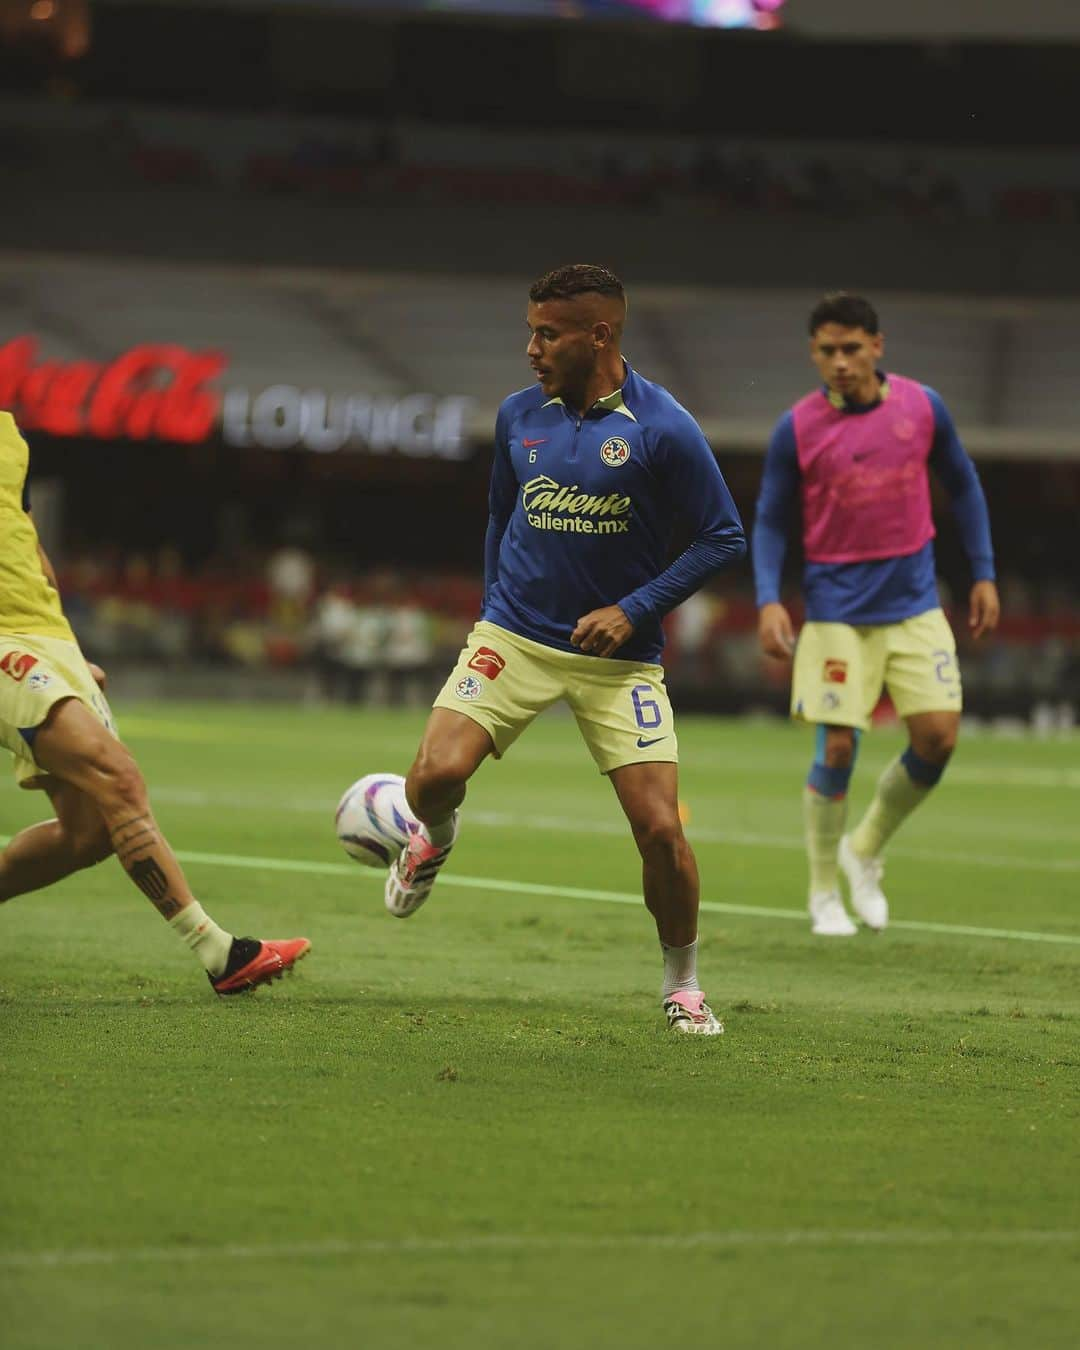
(854, 456)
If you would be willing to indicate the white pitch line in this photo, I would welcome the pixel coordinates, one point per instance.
(616, 828)
(312, 867)
(467, 1243)
(455, 879)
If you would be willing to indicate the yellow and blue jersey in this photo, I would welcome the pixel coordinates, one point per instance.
(28, 603)
(583, 509)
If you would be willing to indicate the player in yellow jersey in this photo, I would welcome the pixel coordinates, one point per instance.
(56, 722)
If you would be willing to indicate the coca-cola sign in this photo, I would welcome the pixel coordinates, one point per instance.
(156, 391)
(162, 392)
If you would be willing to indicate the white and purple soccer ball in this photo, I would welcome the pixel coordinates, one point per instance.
(371, 821)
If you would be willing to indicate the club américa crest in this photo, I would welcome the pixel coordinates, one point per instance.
(615, 452)
(468, 688)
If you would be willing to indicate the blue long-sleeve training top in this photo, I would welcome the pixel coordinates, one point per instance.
(583, 509)
(885, 590)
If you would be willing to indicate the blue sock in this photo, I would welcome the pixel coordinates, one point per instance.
(828, 782)
(825, 781)
(920, 770)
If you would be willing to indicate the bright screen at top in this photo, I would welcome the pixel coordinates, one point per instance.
(706, 13)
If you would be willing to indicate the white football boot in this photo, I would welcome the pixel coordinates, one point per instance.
(689, 1013)
(828, 917)
(413, 872)
(864, 877)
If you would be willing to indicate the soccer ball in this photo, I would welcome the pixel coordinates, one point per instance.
(370, 820)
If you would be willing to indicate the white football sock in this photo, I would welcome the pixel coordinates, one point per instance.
(823, 821)
(209, 942)
(680, 969)
(443, 833)
(896, 797)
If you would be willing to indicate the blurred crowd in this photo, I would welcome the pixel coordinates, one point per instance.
(375, 637)
(385, 636)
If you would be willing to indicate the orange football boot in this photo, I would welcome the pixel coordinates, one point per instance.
(252, 963)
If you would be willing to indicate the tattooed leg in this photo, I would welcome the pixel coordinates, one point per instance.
(151, 864)
(76, 749)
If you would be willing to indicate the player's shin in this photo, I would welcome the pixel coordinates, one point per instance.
(824, 817)
(671, 889)
(151, 864)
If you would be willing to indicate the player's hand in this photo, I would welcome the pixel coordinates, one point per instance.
(775, 633)
(984, 608)
(602, 632)
(98, 674)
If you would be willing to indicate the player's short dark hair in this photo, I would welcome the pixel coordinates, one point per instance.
(849, 311)
(564, 283)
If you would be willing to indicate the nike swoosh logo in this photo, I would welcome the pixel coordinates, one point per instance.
(528, 445)
(643, 744)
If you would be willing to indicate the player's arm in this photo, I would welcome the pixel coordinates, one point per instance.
(954, 466)
(502, 495)
(693, 477)
(778, 492)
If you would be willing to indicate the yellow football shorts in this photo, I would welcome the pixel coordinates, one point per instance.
(840, 670)
(35, 673)
(502, 681)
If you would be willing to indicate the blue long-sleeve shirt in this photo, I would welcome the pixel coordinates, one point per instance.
(885, 590)
(583, 508)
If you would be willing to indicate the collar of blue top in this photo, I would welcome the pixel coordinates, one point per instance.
(842, 404)
(613, 402)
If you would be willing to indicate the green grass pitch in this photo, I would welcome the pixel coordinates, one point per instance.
(471, 1129)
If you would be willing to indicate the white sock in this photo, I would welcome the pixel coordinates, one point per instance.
(680, 969)
(823, 824)
(209, 942)
(896, 797)
(442, 834)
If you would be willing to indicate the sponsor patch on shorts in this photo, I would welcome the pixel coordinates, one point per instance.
(468, 688)
(18, 664)
(834, 671)
(488, 662)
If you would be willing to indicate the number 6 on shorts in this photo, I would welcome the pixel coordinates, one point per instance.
(646, 710)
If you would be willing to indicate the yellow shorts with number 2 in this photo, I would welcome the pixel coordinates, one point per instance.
(840, 670)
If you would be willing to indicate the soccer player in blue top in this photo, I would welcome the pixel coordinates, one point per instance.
(854, 454)
(593, 467)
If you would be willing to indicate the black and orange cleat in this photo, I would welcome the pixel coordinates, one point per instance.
(252, 963)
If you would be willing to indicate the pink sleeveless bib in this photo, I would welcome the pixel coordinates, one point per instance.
(865, 490)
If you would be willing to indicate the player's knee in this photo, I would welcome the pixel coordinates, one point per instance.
(437, 772)
(122, 786)
(839, 752)
(936, 744)
(660, 836)
(840, 755)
